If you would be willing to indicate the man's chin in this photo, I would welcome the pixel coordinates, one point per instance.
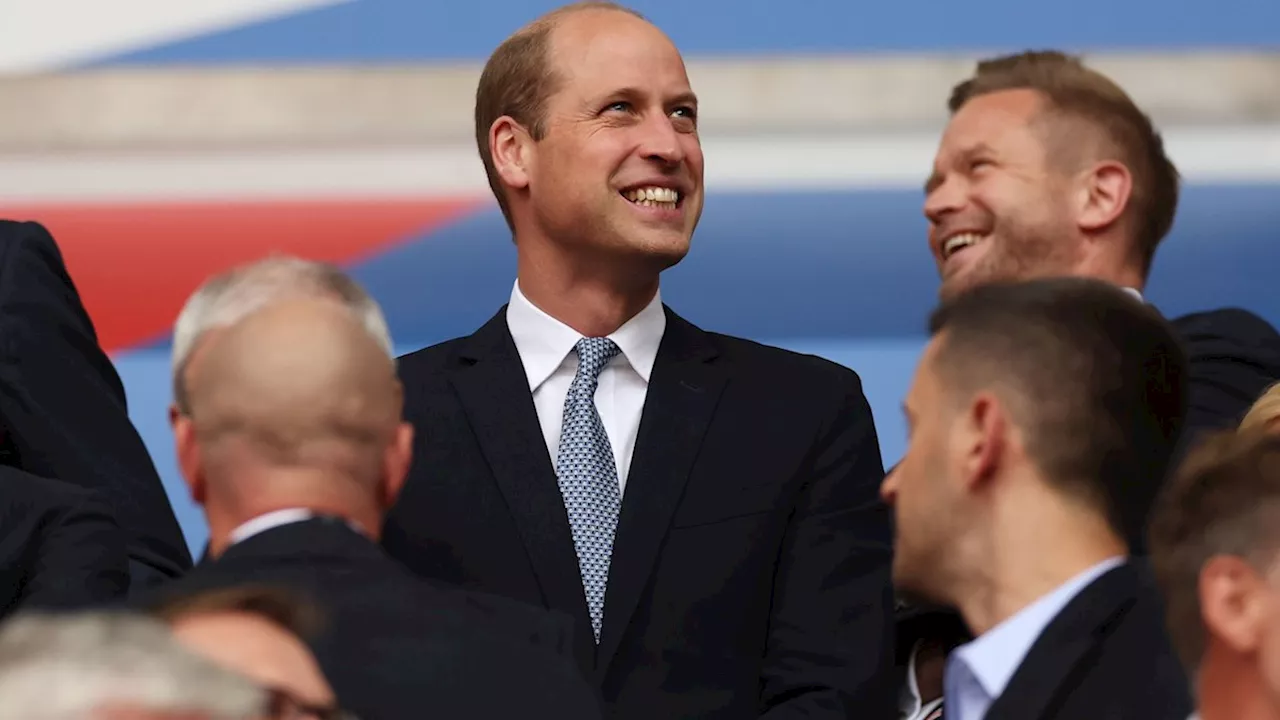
(662, 248)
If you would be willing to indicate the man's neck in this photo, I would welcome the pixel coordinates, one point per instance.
(1122, 274)
(1231, 687)
(1031, 558)
(594, 298)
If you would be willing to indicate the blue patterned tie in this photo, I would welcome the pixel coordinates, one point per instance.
(588, 476)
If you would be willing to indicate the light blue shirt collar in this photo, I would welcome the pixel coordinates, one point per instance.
(979, 671)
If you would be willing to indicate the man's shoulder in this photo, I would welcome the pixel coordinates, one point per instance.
(430, 357)
(1229, 323)
(1233, 335)
(784, 366)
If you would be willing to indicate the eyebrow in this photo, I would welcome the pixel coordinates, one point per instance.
(685, 98)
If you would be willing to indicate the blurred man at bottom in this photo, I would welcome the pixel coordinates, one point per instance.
(1036, 409)
(114, 666)
(1215, 550)
(258, 632)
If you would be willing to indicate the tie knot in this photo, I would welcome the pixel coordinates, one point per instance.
(593, 354)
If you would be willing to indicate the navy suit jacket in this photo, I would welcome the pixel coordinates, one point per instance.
(750, 569)
(62, 405)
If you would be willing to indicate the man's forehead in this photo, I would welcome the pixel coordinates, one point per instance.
(988, 119)
(605, 50)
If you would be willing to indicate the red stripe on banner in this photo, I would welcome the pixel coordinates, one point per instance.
(136, 264)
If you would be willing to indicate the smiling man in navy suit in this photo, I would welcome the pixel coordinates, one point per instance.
(704, 507)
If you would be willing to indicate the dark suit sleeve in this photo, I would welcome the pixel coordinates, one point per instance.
(79, 561)
(63, 405)
(830, 646)
(1233, 357)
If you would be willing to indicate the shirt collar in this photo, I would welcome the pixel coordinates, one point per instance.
(544, 342)
(268, 521)
(909, 701)
(995, 656)
(1133, 292)
(278, 518)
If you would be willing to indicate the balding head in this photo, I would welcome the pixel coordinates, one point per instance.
(295, 405)
(229, 297)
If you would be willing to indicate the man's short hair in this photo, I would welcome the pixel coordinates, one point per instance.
(292, 611)
(1075, 91)
(226, 298)
(1094, 378)
(70, 666)
(1224, 500)
(517, 81)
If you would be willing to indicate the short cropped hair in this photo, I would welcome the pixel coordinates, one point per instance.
(1073, 90)
(1224, 500)
(1095, 379)
(226, 298)
(292, 611)
(69, 666)
(517, 81)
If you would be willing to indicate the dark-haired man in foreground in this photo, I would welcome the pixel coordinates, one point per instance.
(1036, 414)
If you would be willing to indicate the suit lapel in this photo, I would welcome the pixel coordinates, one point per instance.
(683, 391)
(490, 381)
(1062, 651)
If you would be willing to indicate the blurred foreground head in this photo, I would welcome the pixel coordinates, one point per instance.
(261, 633)
(1215, 548)
(1264, 415)
(296, 404)
(114, 666)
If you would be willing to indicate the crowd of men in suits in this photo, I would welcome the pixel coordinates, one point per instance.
(593, 508)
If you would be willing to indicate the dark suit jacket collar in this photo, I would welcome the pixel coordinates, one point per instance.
(1066, 646)
(684, 388)
(315, 538)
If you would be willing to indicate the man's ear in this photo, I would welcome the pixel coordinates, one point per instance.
(396, 462)
(984, 433)
(1233, 602)
(1103, 195)
(511, 147)
(189, 455)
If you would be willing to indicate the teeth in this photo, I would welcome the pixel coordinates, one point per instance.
(955, 242)
(653, 197)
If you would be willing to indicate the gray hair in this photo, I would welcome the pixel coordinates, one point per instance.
(231, 296)
(70, 666)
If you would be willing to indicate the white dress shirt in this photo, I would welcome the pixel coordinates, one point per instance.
(911, 704)
(546, 348)
(268, 521)
(978, 671)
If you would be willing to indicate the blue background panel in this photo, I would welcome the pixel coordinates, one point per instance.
(393, 31)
